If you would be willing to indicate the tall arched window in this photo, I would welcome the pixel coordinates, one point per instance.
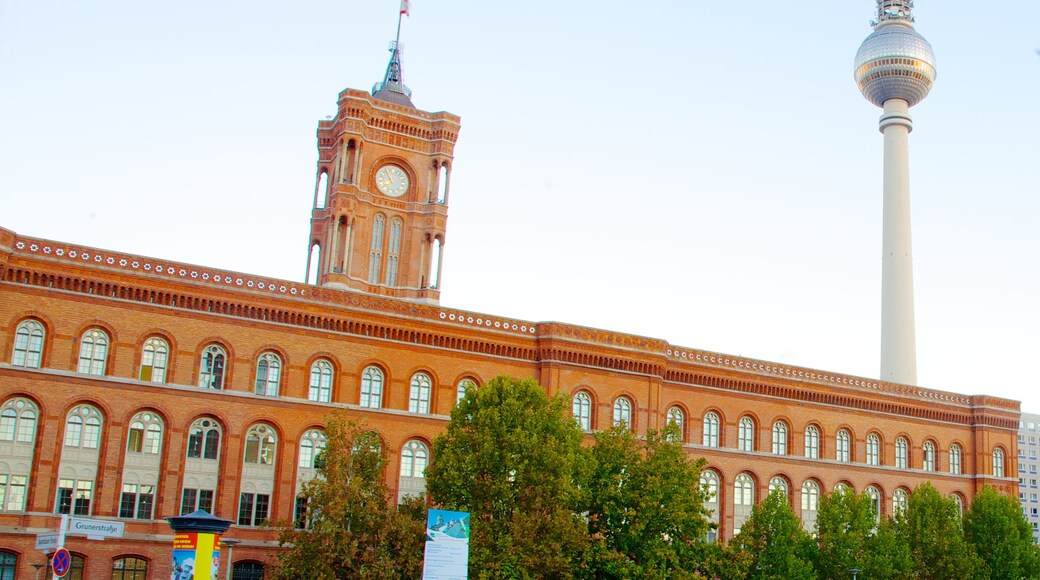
(710, 487)
(260, 445)
(900, 501)
(154, 355)
(268, 373)
(581, 409)
(928, 450)
(28, 344)
(998, 462)
(959, 501)
(18, 418)
(320, 388)
(375, 255)
(371, 388)
(873, 449)
(204, 439)
(778, 483)
(875, 501)
(810, 504)
(743, 499)
(202, 466)
(145, 434)
(211, 368)
(392, 251)
(902, 453)
(130, 568)
(812, 442)
(678, 418)
(955, 459)
(415, 456)
(18, 421)
(311, 445)
(93, 352)
(464, 386)
(710, 437)
(622, 412)
(746, 434)
(780, 438)
(419, 394)
(83, 427)
(842, 445)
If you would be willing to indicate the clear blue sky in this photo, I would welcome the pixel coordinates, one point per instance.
(708, 176)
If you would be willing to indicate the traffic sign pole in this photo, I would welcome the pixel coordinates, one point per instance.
(64, 525)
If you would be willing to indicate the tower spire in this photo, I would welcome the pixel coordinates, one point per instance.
(393, 89)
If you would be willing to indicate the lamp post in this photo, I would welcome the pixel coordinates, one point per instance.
(38, 566)
(854, 572)
(230, 543)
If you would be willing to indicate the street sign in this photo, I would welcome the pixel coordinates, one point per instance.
(61, 562)
(95, 529)
(47, 541)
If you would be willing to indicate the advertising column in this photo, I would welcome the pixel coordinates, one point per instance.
(196, 545)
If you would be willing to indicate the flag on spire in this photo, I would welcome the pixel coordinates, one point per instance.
(404, 7)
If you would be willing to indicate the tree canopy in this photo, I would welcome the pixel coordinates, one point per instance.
(773, 538)
(1001, 537)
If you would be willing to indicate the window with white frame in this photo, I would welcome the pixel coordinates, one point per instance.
(311, 445)
(393, 251)
(746, 434)
(998, 462)
(145, 434)
(371, 388)
(136, 501)
(928, 451)
(902, 453)
(74, 497)
(28, 344)
(812, 442)
(375, 255)
(873, 449)
(320, 387)
(581, 409)
(779, 438)
(875, 502)
(260, 445)
(268, 374)
(710, 488)
(415, 456)
(676, 417)
(419, 394)
(842, 444)
(211, 367)
(743, 500)
(900, 501)
(710, 436)
(18, 421)
(464, 386)
(253, 508)
(154, 356)
(810, 504)
(83, 427)
(193, 498)
(622, 412)
(204, 439)
(778, 483)
(955, 459)
(93, 352)
(12, 491)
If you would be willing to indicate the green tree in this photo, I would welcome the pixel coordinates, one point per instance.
(353, 529)
(774, 538)
(1000, 535)
(511, 457)
(885, 555)
(931, 528)
(645, 510)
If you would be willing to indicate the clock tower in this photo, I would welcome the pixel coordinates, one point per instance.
(381, 194)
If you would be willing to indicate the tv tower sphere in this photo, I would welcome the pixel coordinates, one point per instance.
(895, 62)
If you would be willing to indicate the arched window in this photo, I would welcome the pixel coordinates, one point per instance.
(900, 501)
(842, 444)
(320, 388)
(780, 438)
(28, 345)
(204, 439)
(415, 456)
(211, 368)
(875, 501)
(145, 435)
(959, 501)
(93, 352)
(268, 373)
(154, 356)
(375, 255)
(581, 409)
(248, 571)
(812, 442)
(743, 499)
(311, 446)
(8, 564)
(464, 385)
(260, 445)
(83, 427)
(371, 388)
(841, 487)
(998, 462)
(75, 571)
(928, 450)
(778, 483)
(810, 504)
(392, 251)
(710, 488)
(746, 434)
(902, 453)
(130, 568)
(18, 421)
(419, 394)
(711, 430)
(873, 449)
(955, 459)
(678, 418)
(622, 412)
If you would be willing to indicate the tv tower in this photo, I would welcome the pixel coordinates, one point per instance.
(895, 69)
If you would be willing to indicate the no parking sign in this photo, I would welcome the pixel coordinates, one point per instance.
(61, 562)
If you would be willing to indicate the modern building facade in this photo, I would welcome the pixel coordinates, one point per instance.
(1028, 464)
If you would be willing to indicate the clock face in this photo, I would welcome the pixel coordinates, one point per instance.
(392, 180)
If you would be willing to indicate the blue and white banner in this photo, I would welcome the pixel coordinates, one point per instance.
(447, 546)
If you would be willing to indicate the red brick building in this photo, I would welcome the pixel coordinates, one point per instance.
(135, 388)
